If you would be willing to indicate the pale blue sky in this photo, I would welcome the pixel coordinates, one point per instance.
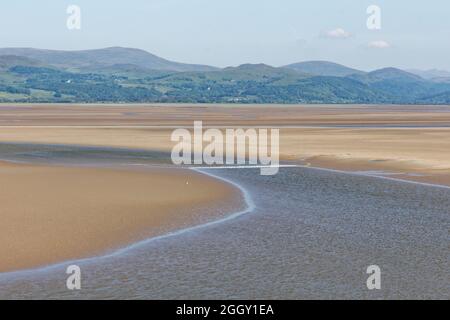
(232, 32)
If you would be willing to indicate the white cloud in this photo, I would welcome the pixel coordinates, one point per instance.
(337, 33)
(379, 44)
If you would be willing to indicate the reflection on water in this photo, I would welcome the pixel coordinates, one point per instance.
(312, 235)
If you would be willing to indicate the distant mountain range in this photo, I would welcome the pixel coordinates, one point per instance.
(131, 75)
(433, 74)
(323, 68)
(87, 59)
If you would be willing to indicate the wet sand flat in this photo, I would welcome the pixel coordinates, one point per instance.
(50, 214)
(419, 154)
(411, 141)
(219, 114)
(311, 235)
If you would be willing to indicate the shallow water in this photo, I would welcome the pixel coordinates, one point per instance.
(312, 234)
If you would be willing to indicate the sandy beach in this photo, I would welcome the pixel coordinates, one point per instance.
(217, 158)
(412, 142)
(93, 178)
(106, 208)
(51, 214)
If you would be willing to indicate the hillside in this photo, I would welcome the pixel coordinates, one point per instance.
(131, 75)
(323, 68)
(8, 61)
(87, 59)
(433, 74)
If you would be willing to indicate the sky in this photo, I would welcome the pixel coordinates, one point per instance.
(414, 33)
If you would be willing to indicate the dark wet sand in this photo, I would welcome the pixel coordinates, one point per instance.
(312, 235)
(55, 213)
(412, 140)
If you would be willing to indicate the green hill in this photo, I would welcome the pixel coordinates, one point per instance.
(86, 59)
(131, 75)
(323, 68)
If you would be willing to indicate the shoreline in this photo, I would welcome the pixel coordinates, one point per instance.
(249, 207)
(46, 228)
(382, 177)
(393, 170)
(404, 144)
(407, 170)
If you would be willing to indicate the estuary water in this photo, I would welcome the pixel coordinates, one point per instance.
(304, 233)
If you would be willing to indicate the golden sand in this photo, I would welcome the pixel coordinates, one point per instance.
(423, 151)
(52, 214)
